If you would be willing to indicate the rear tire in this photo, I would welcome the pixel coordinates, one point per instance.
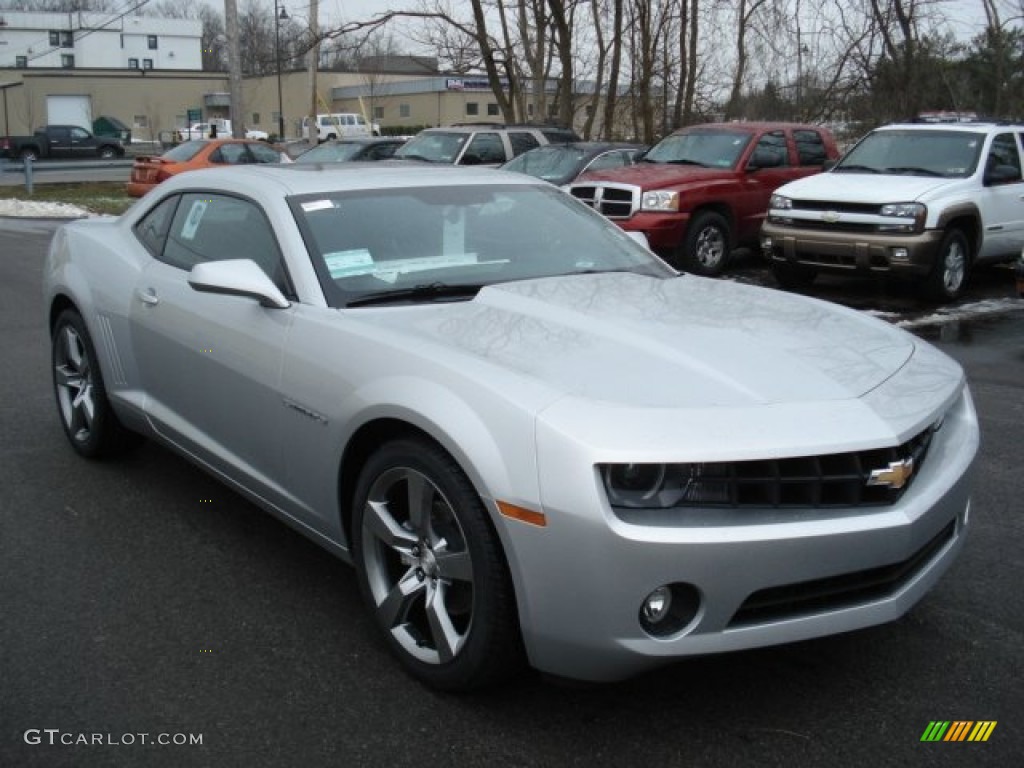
(431, 568)
(89, 422)
(948, 277)
(707, 245)
(107, 153)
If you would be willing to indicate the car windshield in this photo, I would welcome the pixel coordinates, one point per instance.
(951, 153)
(711, 149)
(435, 146)
(333, 152)
(548, 163)
(395, 241)
(184, 152)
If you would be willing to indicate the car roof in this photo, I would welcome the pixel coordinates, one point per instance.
(751, 127)
(315, 178)
(974, 125)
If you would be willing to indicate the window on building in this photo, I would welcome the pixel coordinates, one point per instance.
(122, 40)
(255, 118)
(67, 61)
(529, 109)
(552, 110)
(378, 113)
(151, 42)
(133, 63)
(404, 110)
(147, 63)
(54, 38)
(140, 121)
(472, 108)
(21, 62)
(59, 39)
(492, 108)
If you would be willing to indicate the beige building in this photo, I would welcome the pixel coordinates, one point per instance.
(155, 102)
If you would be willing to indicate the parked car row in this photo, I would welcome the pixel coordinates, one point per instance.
(923, 202)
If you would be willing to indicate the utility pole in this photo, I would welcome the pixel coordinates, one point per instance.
(314, 64)
(237, 109)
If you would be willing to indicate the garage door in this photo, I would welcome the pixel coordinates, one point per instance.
(69, 110)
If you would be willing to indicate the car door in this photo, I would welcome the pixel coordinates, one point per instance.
(210, 364)
(81, 142)
(1002, 199)
(768, 168)
(59, 141)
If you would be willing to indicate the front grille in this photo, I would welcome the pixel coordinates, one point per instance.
(614, 202)
(832, 205)
(844, 591)
(829, 480)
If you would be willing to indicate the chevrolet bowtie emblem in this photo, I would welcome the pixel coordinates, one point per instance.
(895, 476)
(830, 217)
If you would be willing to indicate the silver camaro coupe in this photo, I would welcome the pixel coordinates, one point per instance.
(534, 440)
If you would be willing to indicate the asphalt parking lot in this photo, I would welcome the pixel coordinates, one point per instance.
(143, 597)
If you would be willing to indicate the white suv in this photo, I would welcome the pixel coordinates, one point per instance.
(909, 200)
(480, 143)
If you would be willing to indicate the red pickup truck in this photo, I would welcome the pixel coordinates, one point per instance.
(704, 190)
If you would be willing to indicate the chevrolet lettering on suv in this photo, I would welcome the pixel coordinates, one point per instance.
(924, 202)
(704, 190)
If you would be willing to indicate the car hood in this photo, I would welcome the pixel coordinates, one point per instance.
(641, 341)
(656, 175)
(864, 187)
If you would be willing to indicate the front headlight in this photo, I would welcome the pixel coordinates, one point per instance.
(915, 211)
(663, 486)
(780, 202)
(660, 200)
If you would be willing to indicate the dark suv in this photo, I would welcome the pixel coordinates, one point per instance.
(480, 143)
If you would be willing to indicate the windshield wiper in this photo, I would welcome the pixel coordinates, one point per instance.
(426, 292)
(414, 156)
(913, 169)
(855, 168)
(687, 161)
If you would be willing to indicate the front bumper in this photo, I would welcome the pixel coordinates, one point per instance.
(664, 231)
(851, 252)
(583, 578)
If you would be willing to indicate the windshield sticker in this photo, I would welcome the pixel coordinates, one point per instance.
(349, 263)
(404, 266)
(195, 215)
(317, 205)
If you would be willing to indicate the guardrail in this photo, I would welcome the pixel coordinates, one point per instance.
(30, 167)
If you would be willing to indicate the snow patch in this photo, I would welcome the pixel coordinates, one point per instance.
(974, 309)
(37, 209)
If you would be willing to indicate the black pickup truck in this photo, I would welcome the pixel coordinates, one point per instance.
(60, 141)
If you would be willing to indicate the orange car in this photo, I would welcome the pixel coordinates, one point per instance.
(147, 172)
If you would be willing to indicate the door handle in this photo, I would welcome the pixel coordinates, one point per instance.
(148, 296)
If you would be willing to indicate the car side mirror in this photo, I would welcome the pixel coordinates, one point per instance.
(237, 277)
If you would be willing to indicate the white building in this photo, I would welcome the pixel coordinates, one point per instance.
(98, 41)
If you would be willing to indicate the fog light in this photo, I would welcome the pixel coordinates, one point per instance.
(900, 255)
(656, 605)
(669, 609)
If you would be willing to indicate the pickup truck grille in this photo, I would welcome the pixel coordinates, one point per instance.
(616, 201)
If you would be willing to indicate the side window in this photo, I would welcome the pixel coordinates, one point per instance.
(771, 151)
(213, 227)
(59, 134)
(78, 134)
(810, 147)
(483, 149)
(382, 151)
(231, 154)
(522, 141)
(153, 227)
(610, 160)
(263, 154)
(1004, 159)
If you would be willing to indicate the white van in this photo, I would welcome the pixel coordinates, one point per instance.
(339, 125)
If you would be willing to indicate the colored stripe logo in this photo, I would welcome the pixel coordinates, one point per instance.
(958, 730)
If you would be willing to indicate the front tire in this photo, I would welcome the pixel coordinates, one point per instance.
(431, 569)
(948, 277)
(89, 422)
(707, 245)
(107, 153)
